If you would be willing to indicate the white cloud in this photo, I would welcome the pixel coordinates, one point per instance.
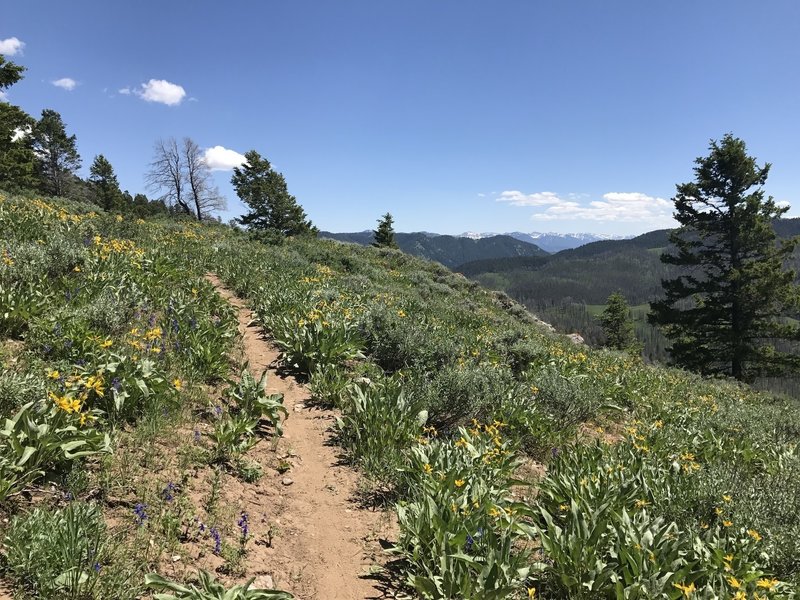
(65, 83)
(783, 204)
(3, 96)
(11, 46)
(517, 198)
(615, 206)
(220, 158)
(20, 133)
(162, 91)
(126, 91)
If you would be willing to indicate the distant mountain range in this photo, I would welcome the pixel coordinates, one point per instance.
(449, 250)
(551, 242)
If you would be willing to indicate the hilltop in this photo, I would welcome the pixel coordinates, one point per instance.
(513, 462)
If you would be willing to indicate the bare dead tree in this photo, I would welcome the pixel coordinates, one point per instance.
(167, 175)
(200, 186)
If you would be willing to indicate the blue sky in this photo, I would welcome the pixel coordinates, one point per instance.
(452, 115)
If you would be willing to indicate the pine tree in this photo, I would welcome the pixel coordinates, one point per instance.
(105, 186)
(617, 323)
(17, 160)
(272, 207)
(56, 152)
(384, 234)
(725, 313)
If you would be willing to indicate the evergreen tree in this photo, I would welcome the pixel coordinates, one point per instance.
(17, 160)
(726, 312)
(56, 152)
(384, 234)
(10, 73)
(272, 207)
(617, 323)
(105, 186)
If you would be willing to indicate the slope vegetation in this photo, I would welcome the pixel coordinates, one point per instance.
(517, 463)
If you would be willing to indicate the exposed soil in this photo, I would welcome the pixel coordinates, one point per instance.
(319, 542)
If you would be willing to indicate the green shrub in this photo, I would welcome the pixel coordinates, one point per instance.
(66, 553)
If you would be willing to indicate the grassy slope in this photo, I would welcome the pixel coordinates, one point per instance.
(699, 485)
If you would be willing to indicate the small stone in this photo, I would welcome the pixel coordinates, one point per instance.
(287, 481)
(176, 558)
(264, 582)
(299, 407)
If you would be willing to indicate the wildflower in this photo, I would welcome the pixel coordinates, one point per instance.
(641, 503)
(167, 492)
(687, 590)
(243, 525)
(217, 539)
(754, 534)
(54, 374)
(140, 512)
(116, 384)
(95, 382)
(459, 483)
(531, 592)
(727, 523)
(726, 498)
(106, 344)
(427, 468)
(461, 443)
(401, 314)
(177, 384)
(734, 583)
(740, 595)
(718, 511)
(767, 583)
(563, 507)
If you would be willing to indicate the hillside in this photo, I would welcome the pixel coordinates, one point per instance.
(448, 250)
(512, 462)
(568, 289)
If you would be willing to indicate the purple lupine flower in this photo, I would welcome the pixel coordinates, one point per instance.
(168, 493)
(116, 383)
(141, 514)
(217, 539)
(243, 525)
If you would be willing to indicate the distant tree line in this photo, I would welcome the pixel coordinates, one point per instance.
(41, 156)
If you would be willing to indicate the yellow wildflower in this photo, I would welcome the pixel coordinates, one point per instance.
(427, 468)
(177, 384)
(459, 483)
(767, 583)
(687, 590)
(106, 344)
(726, 498)
(754, 534)
(734, 583)
(95, 382)
(54, 374)
(641, 503)
(531, 592)
(727, 523)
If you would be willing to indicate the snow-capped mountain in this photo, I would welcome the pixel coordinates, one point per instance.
(551, 242)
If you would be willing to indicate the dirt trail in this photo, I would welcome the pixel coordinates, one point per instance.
(325, 542)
